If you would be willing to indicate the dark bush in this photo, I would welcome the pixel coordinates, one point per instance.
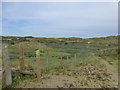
(66, 43)
(12, 43)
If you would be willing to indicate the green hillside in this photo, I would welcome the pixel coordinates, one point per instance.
(90, 62)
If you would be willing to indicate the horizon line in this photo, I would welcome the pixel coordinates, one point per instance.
(59, 37)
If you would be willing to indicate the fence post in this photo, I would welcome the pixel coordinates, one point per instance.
(47, 57)
(38, 69)
(61, 61)
(7, 77)
(67, 59)
(75, 58)
(0, 63)
(21, 57)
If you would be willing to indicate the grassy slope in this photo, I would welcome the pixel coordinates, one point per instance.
(89, 56)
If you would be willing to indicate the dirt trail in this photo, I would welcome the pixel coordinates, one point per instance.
(55, 81)
(112, 70)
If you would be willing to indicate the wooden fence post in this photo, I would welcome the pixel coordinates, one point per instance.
(75, 58)
(38, 69)
(61, 61)
(21, 57)
(0, 63)
(67, 59)
(6, 76)
(47, 57)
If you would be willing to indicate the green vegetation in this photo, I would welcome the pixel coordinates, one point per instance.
(90, 67)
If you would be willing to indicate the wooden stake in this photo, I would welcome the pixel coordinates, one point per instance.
(67, 59)
(7, 78)
(61, 61)
(75, 58)
(21, 59)
(0, 63)
(47, 57)
(38, 69)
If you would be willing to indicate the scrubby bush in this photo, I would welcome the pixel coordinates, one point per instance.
(66, 43)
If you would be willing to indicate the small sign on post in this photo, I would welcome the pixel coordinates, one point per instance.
(7, 77)
(21, 59)
(38, 69)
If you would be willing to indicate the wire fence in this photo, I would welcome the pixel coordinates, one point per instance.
(49, 58)
(26, 59)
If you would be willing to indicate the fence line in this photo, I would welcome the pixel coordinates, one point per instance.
(38, 62)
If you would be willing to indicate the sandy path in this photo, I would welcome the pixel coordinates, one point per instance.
(112, 70)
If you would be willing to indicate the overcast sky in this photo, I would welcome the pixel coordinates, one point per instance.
(60, 19)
